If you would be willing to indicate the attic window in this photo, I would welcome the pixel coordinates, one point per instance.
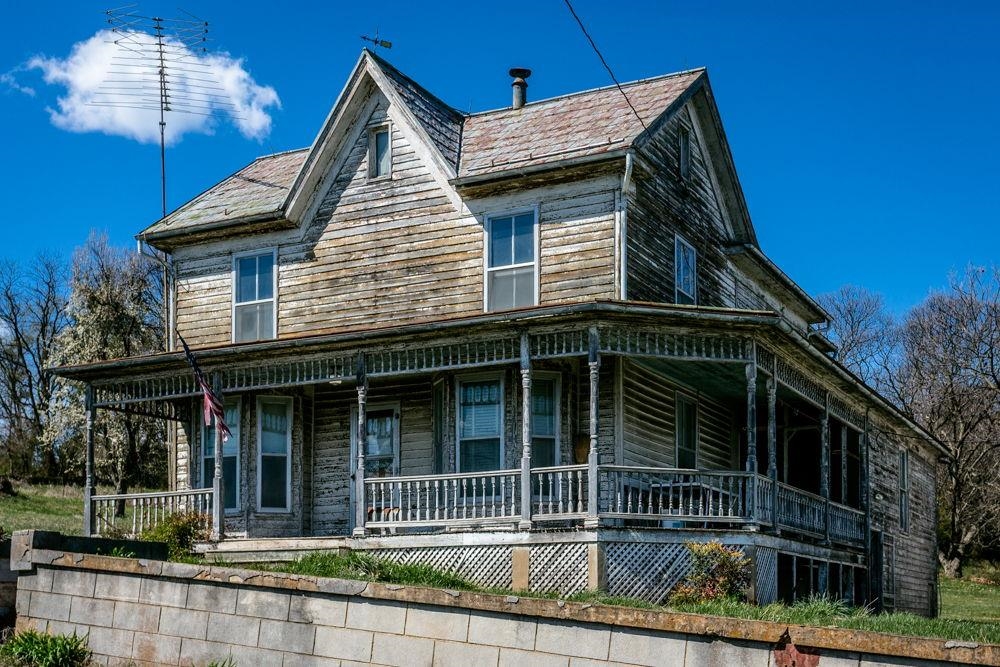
(684, 151)
(379, 153)
(685, 272)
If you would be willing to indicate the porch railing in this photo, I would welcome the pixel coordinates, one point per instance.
(443, 500)
(667, 496)
(130, 514)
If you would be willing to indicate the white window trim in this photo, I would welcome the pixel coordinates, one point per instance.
(288, 458)
(274, 290)
(478, 377)
(372, 131)
(396, 436)
(487, 269)
(206, 478)
(556, 377)
(679, 241)
(680, 397)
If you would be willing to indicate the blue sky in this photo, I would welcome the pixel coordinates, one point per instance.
(865, 136)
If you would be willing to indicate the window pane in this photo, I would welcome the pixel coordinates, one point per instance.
(273, 482)
(274, 428)
(246, 279)
(265, 320)
(265, 276)
(246, 323)
(685, 272)
(480, 409)
(524, 238)
(687, 435)
(230, 485)
(480, 455)
(524, 287)
(543, 452)
(382, 156)
(379, 435)
(501, 288)
(501, 243)
(543, 408)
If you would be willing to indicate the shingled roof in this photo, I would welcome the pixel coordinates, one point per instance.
(587, 124)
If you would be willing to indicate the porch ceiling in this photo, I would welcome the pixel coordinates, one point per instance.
(726, 381)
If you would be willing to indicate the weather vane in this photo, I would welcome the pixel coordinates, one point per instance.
(384, 43)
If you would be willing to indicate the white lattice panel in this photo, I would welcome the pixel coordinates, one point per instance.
(560, 568)
(767, 574)
(645, 571)
(487, 566)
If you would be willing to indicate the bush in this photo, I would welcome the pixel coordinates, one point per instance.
(41, 650)
(179, 532)
(717, 572)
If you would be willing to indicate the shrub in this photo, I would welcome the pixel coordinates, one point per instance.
(42, 650)
(717, 572)
(179, 532)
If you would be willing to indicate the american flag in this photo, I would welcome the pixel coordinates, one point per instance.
(212, 406)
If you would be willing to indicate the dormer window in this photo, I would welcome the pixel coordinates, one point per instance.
(685, 272)
(511, 263)
(254, 281)
(379, 153)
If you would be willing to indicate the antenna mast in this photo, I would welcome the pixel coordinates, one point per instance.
(157, 67)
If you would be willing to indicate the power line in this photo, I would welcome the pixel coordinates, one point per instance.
(605, 63)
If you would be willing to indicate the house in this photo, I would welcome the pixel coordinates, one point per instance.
(556, 334)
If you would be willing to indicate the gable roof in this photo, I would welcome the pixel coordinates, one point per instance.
(589, 123)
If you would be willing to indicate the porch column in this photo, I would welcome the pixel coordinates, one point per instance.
(864, 495)
(751, 462)
(525, 522)
(360, 502)
(772, 446)
(843, 464)
(218, 492)
(824, 466)
(594, 363)
(88, 484)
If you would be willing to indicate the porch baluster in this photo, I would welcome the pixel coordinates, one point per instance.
(594, 362)
(360, 513)
(525, 522)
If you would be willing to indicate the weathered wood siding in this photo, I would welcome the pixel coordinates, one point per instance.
(662, 205)
(649, 404)
(911, 562)
(394, 251)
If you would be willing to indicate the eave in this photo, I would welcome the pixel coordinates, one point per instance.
(749, 258)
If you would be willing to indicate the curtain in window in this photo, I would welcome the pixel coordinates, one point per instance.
(543, 423)
(275, 433)
(230, 456)
(479, 432)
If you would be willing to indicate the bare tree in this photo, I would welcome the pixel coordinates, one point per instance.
(864, 331)
(32, 315)
(115, 312)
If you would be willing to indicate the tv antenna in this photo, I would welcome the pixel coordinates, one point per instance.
(376, 42)
(158, 67)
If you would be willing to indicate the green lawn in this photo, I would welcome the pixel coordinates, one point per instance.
(972, 598)
(43, 507)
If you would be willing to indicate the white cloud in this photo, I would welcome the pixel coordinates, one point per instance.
(114, 88)
(8, 79)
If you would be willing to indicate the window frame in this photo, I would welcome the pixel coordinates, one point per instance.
(289, 407)
(397, 435)
(679, 398)
(903, 484)
(237, 256)
(535, 263)
(681, 242)
(373, 131)
(556, 378)
(479, 377)
(207, 475)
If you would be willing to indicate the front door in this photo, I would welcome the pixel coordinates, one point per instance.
(381, 446)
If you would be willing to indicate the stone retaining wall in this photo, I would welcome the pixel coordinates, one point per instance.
(149, 612)
(8, 586)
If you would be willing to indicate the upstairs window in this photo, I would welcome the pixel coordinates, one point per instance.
(253, 305)
(904, 490)
(685, 272)
(379, 153)
(511, 266)
(687, 433)
(684, 154)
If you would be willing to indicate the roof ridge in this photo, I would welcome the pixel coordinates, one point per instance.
(612, 86)
(423, 91)
(278, 154)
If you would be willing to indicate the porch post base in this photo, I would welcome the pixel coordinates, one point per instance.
(524, 525)
(358, 532)
(88, 511)
(591, 523)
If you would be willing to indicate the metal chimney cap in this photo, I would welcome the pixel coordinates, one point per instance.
(519, 72)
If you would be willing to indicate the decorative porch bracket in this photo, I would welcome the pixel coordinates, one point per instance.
(594, 363)
(360, 502)
(525, 522)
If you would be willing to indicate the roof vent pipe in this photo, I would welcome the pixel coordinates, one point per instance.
(519, 85)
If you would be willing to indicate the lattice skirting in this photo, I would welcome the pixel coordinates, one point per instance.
(487, 566)
(558, 568)
(766, 563)
(645, 571)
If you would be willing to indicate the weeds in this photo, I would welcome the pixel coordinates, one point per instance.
(36, 649)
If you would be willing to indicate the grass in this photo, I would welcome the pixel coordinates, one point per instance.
(43, 507)
(360, 566)
(972, 597)
(37, 649)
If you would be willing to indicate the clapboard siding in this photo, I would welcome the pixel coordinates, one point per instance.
(649, 403)
(660, 206)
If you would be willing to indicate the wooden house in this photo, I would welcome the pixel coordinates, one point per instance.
(554, 334)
